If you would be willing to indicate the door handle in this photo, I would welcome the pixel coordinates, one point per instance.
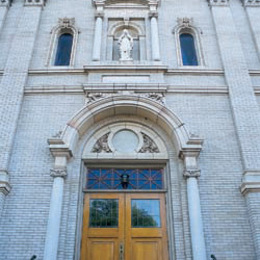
(121, 251)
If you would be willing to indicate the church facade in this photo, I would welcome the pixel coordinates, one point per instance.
(130, 129)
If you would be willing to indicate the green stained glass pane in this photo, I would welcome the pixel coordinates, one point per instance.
(145, 213)
(103, 213)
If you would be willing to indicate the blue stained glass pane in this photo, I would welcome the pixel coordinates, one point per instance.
(146, 179)
(188, 51)
(63, 50)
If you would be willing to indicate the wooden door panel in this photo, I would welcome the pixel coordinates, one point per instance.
(146, 249)
(102, 249)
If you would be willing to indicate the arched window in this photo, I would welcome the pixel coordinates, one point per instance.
(188, 51)
(63, 52)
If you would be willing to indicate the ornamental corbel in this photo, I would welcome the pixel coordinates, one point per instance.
(4, 187)
(35, 2)
(5, 3)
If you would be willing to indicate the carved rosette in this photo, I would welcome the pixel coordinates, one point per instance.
(251, 2)
(218, 2)
(191, 173)
(149, 145)
(101, 146)
(58, 172)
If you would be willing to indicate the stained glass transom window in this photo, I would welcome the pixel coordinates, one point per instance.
(118, 179)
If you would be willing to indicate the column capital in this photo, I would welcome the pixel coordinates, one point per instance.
(35, 2)
(253, 3)
(99, 14)
(250, 182)
(218, 2)
(58, 172)
(153, 14)
(191, 173)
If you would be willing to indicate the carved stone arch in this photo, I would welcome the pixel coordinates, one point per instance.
(129, 105)
(123, 25)
(65, 25)
(186, 25)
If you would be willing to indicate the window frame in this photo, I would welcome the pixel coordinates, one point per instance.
(56, 32)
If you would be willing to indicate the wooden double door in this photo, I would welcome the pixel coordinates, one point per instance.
(124, 226)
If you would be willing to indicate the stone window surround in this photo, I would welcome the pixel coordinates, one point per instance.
(65, 25)
(185, 25)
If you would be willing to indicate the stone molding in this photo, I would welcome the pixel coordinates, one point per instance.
(218, 2)
(253, 3)
(62, 172)
(58, 148)
(34, 2)
(5, 187)
(250, 182)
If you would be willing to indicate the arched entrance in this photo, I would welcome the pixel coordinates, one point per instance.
(124, 201)
(150, 115)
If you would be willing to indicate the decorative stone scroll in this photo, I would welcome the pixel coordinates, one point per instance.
(218, 2)
(251, 2)
(101, 145)
(66, 22)
(158, 97)
(149, 145)
(58, 172)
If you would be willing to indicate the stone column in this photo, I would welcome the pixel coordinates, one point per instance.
(61, 154)
(98, 37)
(53, 228)
(4, 6)
(252, 8)
(191, 173)
(155, 37)
(243, 102)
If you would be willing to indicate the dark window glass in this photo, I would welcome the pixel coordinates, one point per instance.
(103, 213)
(188, 51)
(143, 179)
(64, 50)
(145, 213)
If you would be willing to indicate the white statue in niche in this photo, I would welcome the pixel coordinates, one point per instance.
(126, 44)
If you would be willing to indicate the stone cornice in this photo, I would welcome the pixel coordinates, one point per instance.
(58, 148)
(218, 2)
(250, 182)
(253, 3)
(5, 187)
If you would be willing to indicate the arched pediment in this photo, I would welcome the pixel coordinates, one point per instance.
(138, 106)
